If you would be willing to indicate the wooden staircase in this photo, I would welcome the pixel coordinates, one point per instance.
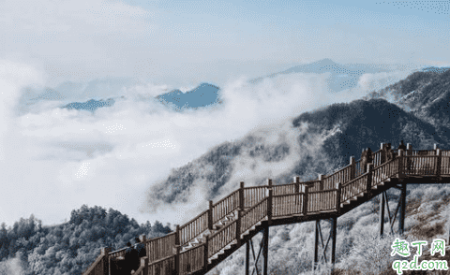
(202, 243)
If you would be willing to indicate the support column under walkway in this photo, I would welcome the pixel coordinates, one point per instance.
(318, 236)
(264, 248)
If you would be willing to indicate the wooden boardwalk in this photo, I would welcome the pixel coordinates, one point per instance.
(202, 243)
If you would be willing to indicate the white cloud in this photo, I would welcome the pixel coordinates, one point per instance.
(55, 160)
(72, 39)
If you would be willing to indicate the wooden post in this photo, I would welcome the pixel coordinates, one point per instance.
(210, 215)
(241, 196)
(369, 179)
(144, 262)
(247, 258)
(409, 148)
(238, 228)
(353, 167)
(338, 198)
(438, 162)
(333, 241)
(269, 203)
(321, 178)
(177, 250)
(205, 256)
(305, 200)
(401, 221)
(297, 190)
(143, 238)
(382, 203)
(316, 245)
(401, 159)
(383, 154)
(266, 249)
(106, 262)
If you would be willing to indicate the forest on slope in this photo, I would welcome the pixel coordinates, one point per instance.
(28, 247)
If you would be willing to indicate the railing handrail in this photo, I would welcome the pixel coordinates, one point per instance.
(118, 250)
(161, 260)
(223, 199)
(94, 264)
(222, 229)
(157, 238)
(192, 220)
(253, 207)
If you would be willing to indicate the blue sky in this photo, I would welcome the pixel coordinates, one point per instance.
(188, 42)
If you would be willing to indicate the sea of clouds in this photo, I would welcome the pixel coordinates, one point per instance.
(53, 160)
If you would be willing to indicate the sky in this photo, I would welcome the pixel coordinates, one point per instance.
(53, 160)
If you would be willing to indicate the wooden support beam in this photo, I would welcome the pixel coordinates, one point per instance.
(401, 222)
(316, 244)
(266, 250)
(247, 258)
(269, 203)
(177, 249)
(297, 190)
(333, 236)
(382, 202)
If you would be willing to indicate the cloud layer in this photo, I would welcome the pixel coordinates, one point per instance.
(54, 160)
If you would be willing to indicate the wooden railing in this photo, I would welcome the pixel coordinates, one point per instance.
(194, 228)
(118, 253)
(192, 260)
(261, 203)
(354, 187)
(253, 195)
(385, 171)
(330, 182)
(287, 205)
(225, 206)
(321, 201)
(162, 266)
(160, 248)
(420, 165)
(100, 265)
(222, 238)
(253, 215)
(284, 189)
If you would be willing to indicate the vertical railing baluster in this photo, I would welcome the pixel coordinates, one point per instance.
(269, 202)
(401, 160)
(305, 200)
(238, 228)
(177, 250)
(369, 179)
(438, 162)
(338, 198)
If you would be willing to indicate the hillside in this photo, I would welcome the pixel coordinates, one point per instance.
(425, 94)
(28, 247)
(313, 143)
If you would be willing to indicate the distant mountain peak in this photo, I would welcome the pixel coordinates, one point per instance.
(325, 62)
